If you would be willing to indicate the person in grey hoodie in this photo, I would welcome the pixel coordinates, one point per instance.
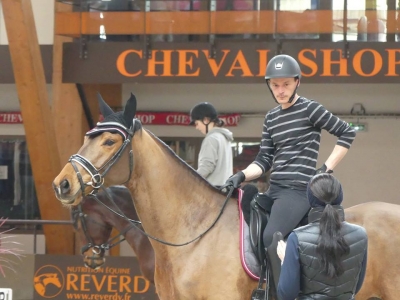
(215, 161)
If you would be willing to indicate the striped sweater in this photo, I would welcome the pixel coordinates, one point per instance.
(291, 139)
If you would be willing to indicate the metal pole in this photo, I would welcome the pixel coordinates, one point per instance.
(34, 239)
(39, 222)
(346, 52)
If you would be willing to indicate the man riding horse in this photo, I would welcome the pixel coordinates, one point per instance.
(289, 147)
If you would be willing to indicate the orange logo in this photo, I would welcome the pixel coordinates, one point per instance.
(48, 281)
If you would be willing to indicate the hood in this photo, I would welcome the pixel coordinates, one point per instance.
(227, 133)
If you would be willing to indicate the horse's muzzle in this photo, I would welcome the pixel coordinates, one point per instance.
(63, 193)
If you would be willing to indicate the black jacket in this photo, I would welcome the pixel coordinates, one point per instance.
(314, 284)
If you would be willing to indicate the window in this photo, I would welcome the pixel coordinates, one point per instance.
(360, 19)
(302, 15)
(17, 190)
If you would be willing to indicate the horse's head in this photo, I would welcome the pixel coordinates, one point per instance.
(105, 147)
(93, 231)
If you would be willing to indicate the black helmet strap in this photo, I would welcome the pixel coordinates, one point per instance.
(206, 125)
(295, 91)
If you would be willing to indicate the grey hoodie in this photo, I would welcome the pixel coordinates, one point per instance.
(215, 157)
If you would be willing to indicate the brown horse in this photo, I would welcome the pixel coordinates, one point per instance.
(174, 203)
(382, 223)
(94, 220)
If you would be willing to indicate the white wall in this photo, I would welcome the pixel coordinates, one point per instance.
(369, 170)
(251, 98)
(9, 102)
(23, 242)
(43, 12)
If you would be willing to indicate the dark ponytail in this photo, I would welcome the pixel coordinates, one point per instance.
(331, 244)
(219, 122)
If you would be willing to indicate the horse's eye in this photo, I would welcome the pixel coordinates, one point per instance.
(109, 143)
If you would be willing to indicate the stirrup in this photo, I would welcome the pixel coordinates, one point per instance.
(260, 293)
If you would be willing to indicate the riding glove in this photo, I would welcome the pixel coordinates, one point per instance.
(324, 169)
(235, 180)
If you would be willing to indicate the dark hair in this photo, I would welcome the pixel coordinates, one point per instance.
(331, 244)
(219, 123)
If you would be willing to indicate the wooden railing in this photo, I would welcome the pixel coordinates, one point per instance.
(75, 24)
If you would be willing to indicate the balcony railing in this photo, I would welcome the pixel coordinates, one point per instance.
(224, 17)
(75, 24)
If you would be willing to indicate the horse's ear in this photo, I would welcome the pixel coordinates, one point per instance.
(130, 110)
(104, 108)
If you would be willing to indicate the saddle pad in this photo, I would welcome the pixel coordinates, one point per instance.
(247, 257)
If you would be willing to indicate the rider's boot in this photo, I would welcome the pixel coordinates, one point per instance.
(274, 262)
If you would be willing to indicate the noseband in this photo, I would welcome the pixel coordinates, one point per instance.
(97, 175)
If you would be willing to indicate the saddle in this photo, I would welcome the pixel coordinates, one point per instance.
(256, 208)
(260, 209)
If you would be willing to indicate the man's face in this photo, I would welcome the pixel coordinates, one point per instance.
(283, 88)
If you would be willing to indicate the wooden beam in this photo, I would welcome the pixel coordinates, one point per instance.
(69, 121)
(67, 109)
(116, 250)
(38, 123)
(111, 93)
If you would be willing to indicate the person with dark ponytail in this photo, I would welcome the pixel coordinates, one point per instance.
(327, 258)
(215, 162)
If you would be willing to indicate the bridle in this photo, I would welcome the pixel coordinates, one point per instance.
(97, 174)
(97, 178)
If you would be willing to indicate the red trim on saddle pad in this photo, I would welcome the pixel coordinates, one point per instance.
(244, 244)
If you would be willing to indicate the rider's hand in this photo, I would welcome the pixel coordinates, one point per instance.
(323, 169)
(235, 180)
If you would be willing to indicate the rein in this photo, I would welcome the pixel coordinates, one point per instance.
(97, 249)
(98, 178)
(134, 222)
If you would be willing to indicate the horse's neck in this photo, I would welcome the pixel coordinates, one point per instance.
(167, 193)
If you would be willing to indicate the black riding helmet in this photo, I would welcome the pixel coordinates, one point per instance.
(203, 110)
(282, 66)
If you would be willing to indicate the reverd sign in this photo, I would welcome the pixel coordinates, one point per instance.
(64, 277)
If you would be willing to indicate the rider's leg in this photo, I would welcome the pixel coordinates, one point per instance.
(290, 206)
(288, 209)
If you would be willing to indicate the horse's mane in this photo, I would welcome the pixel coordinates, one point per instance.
(171, 153)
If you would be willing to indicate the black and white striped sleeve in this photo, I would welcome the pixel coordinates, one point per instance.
(266, 154)
(320, 117)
